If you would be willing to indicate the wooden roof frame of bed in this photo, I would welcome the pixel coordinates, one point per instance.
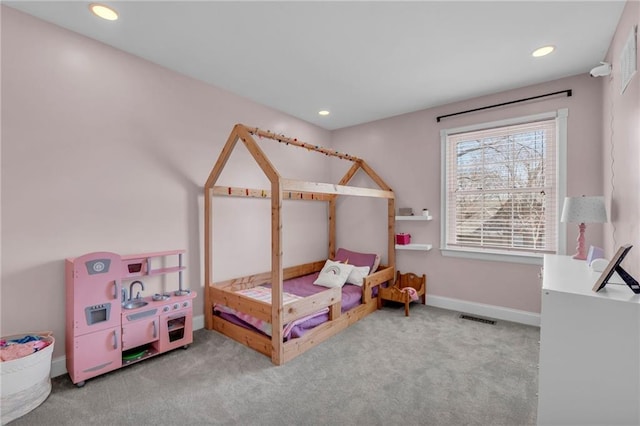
(294, 189)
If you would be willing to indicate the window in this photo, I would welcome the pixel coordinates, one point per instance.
(501, 186)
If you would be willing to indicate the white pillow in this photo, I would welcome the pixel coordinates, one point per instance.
(333, 274)
(376, 263)
(357, 274)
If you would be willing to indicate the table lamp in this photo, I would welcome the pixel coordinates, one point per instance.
(583, 210)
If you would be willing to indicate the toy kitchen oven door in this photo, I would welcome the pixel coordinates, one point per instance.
(176, 326)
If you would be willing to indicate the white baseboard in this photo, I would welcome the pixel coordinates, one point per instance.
(198, 322)
(59, 365)
(490, 311)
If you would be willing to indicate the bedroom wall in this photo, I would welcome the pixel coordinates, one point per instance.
(621, 147)
(405, 151)
(104, 151)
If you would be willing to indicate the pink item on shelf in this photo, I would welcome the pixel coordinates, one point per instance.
(403, 239)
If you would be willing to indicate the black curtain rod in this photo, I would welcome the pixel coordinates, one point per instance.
(568, 92)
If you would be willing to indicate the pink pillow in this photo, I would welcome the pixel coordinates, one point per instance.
(358, 259)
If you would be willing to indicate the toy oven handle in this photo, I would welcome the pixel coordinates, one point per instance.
(115, 289)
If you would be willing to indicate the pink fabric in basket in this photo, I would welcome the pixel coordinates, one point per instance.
(16, 351)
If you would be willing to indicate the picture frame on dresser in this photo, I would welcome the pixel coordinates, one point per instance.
(614, 266)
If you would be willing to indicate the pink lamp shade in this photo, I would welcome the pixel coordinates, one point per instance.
(583, 210)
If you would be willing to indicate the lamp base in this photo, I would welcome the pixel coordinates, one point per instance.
(579, 256)
(581, 252)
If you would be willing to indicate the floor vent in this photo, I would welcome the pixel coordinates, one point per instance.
(477, 319)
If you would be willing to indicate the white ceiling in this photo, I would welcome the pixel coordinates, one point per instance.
(362, 60)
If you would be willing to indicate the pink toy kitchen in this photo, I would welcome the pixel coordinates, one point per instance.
(113, 321)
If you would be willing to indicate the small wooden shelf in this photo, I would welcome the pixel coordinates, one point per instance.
(418, 247)
(153, 254)
(139, 265)
(161, 271)
(414, 217)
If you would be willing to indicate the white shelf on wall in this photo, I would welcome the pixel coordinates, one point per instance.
(414, 217)
(419, 247)
(414, 246)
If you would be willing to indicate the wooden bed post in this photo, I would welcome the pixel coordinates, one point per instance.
(277, 348)
(208, 248)
(391, 207)
(332, 227)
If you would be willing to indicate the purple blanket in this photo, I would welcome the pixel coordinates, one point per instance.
(303, 286)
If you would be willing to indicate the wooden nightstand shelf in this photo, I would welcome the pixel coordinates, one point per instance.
(396, 293)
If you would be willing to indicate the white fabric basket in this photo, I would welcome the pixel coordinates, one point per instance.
(25, 382)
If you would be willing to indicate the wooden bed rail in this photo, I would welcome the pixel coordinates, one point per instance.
(253, 307)
(232, 191)
(331, 298)
(382, 275)
(302, 190)
(295, 142)
(250, 281)
(310, 304)
(330, 188)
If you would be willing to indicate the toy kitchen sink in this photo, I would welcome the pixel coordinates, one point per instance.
(106, 328)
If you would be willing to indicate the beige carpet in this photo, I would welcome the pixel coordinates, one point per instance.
(432, 368)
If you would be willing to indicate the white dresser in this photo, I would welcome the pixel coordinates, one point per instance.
(589, 348)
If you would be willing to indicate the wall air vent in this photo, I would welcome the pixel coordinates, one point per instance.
(477, 319)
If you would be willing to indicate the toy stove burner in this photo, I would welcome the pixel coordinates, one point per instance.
(164, 296)
(181, 292)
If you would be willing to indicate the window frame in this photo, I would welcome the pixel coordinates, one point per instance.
(560, 117)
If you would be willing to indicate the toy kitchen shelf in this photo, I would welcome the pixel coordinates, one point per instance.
(414, 246)
(138, 265)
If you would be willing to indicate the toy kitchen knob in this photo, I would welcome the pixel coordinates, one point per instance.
(185, 304)
(176, 306)
(166, 309)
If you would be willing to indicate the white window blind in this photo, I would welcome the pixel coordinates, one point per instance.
(501, 188)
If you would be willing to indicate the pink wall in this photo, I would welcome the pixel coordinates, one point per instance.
(103, 151)
(405, 151)
(621, 147)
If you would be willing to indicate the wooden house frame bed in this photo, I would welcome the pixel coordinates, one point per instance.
(225, 292)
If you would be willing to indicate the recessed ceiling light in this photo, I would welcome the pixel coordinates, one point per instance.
(323, 112)
(104, 12)
(542, 51)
